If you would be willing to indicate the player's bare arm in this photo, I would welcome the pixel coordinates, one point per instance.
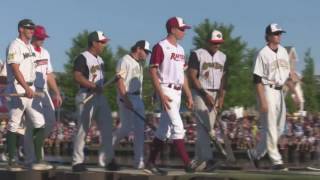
(80, 79)
(222, 92)
(208, 100)
(262, 98)
(53, 85)
(187, 92)
(123, 93)
(19, 77)
(156, 84)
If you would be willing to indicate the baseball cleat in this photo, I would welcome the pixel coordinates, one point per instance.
(79, 167)
(113, 166)
(279, 167)
(41, 166)
(153, 169)
(254, 160)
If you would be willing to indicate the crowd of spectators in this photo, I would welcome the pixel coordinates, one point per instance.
(301, 133)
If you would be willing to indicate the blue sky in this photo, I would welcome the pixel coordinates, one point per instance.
(126, 21)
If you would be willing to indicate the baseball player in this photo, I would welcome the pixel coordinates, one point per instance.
(167, 67)
(21, 76)
(271, 72)
(44, 78)
(207, 68)
(129, 89)
(89, 74)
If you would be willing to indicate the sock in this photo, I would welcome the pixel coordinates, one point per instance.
(12, 141)
(38, 140)
(179, 144)
(156, 147)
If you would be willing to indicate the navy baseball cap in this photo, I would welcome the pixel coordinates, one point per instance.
(97, 36)
(26, 23)
(143, 44)
(274, 28)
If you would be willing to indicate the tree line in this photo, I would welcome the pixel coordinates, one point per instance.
(240, 87)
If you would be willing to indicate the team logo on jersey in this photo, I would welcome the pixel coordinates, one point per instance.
(94, 69)
(214, 65)
(11, 56)
(280, 63)
(27, 55)
(177, 57)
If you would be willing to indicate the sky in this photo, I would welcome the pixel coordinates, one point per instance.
(126, 21)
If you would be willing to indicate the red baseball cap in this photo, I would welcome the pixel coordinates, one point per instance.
(40, 32)
(176, 22)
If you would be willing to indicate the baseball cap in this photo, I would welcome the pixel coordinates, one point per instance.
(26, 23)
(97, 36)
(40, 32)
(216, 37)
(176, 22)
(143, 44)
(272, 28)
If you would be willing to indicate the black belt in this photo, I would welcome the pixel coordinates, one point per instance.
(276, 87)
(175, 86)
(29, 83)
(212, 90)
(136, 93)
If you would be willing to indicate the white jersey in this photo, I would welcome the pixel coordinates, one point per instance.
(43, 67)
(20, 53)
(272, 67)
(211, 68)
(131, 72)
(171, 62)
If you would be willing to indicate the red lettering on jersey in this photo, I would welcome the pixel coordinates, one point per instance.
(177, 57)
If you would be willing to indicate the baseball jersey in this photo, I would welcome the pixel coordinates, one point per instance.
(171, 62)
(273, 67)
(132, 73)
(91, 67)
(211, 67)
(20, 53)
(43, 67)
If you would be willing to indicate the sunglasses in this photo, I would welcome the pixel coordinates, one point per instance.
(30, 28)
(277, 33)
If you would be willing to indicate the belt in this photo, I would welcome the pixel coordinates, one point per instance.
(275, 87)
(212, 90)
(136, 93)
(29, 83)
(175, 86)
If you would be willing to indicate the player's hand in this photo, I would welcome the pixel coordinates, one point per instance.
(165, 102)
(263, 107)
(58, 100)
(220, 103)
(189, 103)
(209, 101)
(29, 93)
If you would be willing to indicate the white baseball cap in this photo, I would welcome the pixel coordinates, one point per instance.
(273, 28)
(216, 37)
(143, 44)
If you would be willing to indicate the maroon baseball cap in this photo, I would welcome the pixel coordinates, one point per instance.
(176, 22)
(40, 32)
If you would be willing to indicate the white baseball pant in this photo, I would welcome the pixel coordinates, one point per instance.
(203, 149)
(48, 110)
(131, 122)
(171, 124)
(97, 108)
(272, 124)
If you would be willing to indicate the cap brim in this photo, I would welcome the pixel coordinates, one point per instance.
(217, 41)
(186, 27)
(148, 50)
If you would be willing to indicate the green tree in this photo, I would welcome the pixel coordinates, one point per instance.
(239, 58)
(309, 84)
(66, 81)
